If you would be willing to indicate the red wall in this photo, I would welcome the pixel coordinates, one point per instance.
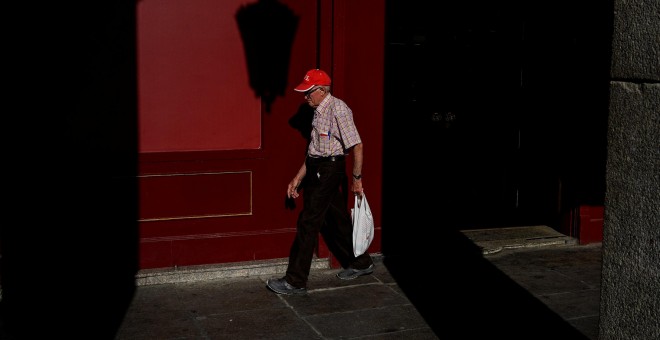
(194, 91)
(211, 190)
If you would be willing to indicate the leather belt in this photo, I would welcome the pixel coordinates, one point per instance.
(326, 159)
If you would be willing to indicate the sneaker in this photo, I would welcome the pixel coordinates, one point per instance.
(351, 273)
(280, 286)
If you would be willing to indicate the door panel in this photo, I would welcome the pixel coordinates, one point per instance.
(495, 113)
(452, 111)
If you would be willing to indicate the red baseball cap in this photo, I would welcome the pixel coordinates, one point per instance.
(313, 78)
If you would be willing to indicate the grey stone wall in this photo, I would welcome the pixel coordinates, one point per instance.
(630, 288)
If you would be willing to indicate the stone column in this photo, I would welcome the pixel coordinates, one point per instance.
(630, 289)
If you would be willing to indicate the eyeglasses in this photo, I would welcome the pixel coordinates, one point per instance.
(309, 92)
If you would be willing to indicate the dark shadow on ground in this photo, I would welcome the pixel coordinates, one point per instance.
(461, 295)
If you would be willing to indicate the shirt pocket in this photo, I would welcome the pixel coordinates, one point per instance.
(323, 130)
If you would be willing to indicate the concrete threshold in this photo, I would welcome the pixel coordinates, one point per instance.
(495, 240)
(217, 271)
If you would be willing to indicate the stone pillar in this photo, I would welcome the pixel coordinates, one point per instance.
(630, 288)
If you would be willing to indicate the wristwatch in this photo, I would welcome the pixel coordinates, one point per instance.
(357, 176)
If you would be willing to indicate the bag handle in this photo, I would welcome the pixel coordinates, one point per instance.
(359, 199)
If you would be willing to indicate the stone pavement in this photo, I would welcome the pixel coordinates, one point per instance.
(506, 283)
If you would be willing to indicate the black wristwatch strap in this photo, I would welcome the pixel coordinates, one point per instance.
(357, 176)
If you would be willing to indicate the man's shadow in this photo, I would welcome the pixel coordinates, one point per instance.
(302, 122)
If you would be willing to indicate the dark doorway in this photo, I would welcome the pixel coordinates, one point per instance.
(452, 106)
(485, 125)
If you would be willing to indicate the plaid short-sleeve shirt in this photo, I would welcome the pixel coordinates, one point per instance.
(333, 129)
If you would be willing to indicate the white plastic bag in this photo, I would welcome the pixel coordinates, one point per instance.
(363, 225)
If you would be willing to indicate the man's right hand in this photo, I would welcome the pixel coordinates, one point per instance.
(292, 189)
